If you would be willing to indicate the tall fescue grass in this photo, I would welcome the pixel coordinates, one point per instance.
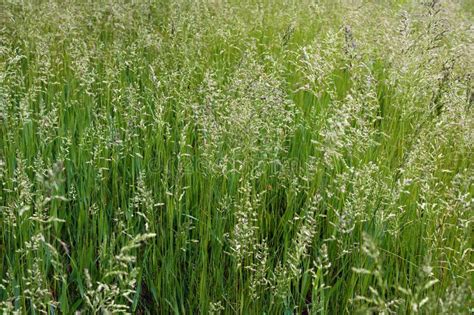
(249, 157)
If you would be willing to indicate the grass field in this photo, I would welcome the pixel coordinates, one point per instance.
(236, 157)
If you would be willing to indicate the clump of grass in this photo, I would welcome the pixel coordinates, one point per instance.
(236, 157)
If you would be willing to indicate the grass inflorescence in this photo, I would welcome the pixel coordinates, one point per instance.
(249, 157)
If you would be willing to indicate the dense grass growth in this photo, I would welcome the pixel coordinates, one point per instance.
(249, 157)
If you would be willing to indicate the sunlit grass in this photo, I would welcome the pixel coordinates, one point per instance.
(249, 157)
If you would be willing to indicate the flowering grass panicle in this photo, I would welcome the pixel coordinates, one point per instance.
(236, 157)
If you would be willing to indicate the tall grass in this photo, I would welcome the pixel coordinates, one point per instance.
(250, 157)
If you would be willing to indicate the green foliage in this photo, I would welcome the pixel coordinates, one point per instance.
(250, 157)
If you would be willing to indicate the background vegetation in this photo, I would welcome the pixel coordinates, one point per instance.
(252, 157)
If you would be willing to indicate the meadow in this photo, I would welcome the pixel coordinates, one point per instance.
(236, 157)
